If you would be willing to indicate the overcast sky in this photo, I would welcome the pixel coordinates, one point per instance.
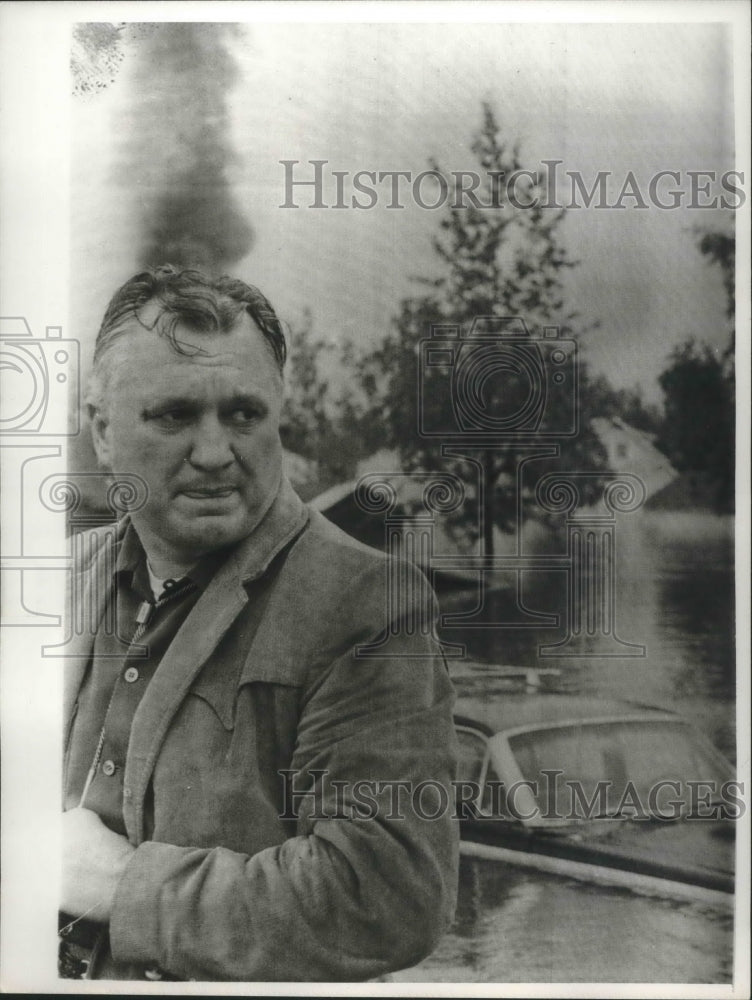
(387, 97)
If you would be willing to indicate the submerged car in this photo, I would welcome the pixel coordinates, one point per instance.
(598, 790)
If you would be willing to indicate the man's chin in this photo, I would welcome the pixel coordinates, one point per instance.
(204, 533)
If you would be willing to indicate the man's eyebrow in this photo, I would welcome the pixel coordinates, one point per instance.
(184, 402)
(245, 399)
(170, 402)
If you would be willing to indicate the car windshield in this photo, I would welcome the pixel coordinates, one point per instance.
(626, 756)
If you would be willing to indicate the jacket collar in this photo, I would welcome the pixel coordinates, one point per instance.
(285, 518)
(212, 615)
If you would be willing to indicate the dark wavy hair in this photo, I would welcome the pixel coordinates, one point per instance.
(191, 298)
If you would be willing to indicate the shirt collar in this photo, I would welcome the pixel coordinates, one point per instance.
(131, 565)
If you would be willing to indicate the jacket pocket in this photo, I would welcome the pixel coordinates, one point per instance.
(220, 683)
(274, 667)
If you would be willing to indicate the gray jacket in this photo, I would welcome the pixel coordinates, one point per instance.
(235, 876)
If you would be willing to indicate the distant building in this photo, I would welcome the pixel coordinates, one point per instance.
(631, 450)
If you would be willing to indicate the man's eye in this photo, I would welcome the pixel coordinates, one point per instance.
(171, 418)
(244, 415)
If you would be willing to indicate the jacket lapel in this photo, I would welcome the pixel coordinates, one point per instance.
(213, 614)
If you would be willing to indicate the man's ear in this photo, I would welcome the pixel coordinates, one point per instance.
(100, 435)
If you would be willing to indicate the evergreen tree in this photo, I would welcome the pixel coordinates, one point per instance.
(498, 262)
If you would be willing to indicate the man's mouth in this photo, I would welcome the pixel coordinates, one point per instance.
(210, 493)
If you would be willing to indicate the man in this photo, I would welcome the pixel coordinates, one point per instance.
(230, 773)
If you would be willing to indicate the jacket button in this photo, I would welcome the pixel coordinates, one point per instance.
(108, 768)
(153, 974)
(131, 675)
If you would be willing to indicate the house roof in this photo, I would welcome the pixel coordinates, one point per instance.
(632, 451)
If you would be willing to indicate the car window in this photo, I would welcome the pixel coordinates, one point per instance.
(473, 765)
(643, 753)
(472, 752)
(493, 799)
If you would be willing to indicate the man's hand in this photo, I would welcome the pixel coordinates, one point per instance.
(94, 859)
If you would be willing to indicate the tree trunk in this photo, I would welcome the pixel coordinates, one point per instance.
(489, 502)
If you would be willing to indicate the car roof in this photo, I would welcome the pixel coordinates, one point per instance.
(514, 709)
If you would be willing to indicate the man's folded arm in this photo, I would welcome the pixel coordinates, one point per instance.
(368, 885)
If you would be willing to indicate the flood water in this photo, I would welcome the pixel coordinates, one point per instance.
(514, 926)
(674, 596)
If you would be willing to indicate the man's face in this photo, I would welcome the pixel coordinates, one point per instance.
(202, 430)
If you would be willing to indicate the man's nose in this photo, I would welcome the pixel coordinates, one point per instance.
(211, 447)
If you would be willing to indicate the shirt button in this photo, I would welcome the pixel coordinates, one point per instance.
(127, 793)
(131, 675)
(108, 768)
